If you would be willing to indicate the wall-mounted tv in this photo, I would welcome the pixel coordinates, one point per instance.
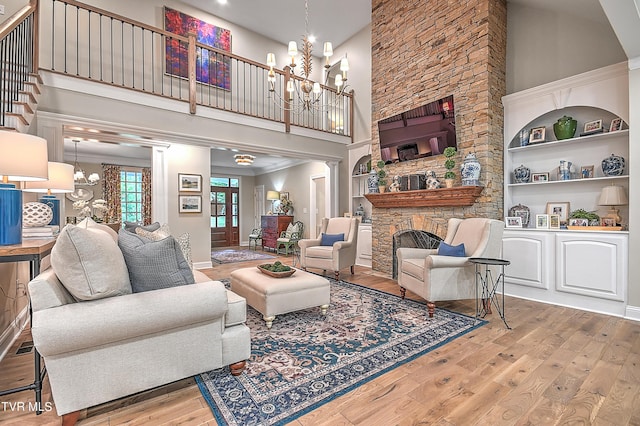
(418, 133)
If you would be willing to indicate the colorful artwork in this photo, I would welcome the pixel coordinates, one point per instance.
(210, 68)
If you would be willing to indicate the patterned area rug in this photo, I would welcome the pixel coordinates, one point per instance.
(307, 360)
(232, 256)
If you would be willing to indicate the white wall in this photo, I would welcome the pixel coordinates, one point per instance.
(634, 196)
(11, 7)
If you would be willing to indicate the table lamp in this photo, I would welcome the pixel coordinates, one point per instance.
(60, 181)
(612, 196)
(24, 158)
(273, 196)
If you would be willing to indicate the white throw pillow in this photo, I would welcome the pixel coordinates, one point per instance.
(89, 263)
(88, 223)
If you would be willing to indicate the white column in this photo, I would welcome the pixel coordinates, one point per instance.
(333, 187)
(159, 185)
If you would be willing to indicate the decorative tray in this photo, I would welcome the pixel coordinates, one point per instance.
(276, 274)
(594, 228)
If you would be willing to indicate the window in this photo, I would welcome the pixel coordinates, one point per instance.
(131, 195)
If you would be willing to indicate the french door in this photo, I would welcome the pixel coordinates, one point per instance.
(225, 226)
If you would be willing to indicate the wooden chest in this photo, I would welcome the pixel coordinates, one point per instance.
(272, 226)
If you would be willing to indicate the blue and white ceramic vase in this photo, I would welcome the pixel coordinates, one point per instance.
(372, 182)
(522, 174)
(470, 170)
(564, 170)
(613, 165)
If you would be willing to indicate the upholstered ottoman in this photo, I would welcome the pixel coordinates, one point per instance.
(275, 296)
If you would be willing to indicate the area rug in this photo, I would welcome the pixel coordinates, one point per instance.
(232, 256)
(306, 360)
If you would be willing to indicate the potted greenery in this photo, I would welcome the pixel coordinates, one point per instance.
(382, 182)
(592, 217)
(449, 164)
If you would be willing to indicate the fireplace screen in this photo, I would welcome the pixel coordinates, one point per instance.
(415, 239)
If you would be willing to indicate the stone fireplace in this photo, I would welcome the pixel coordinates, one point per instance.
(414, 239)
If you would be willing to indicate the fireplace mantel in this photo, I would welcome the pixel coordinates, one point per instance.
(458, 196)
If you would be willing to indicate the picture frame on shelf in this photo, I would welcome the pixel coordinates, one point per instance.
(559, 208)
(586, 172)
(189, 182)
(554, 221)
(190, 204)
(616, 124)
(542, 221)
(575, 221)
(607, 221)
(593, 126)
(540, 177)
(521, 211)
(513, 222)
(537, 135)
(284, 196)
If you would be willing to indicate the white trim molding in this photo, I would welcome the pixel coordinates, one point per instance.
(632, 313)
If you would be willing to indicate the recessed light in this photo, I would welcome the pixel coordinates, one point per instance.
(222, 1)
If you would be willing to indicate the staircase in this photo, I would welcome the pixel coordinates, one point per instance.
(19, 106)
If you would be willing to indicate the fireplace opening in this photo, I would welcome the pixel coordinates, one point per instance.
(414, 239)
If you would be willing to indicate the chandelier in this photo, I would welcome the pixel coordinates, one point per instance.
(244, 159)
(308, 92)
(79, 178)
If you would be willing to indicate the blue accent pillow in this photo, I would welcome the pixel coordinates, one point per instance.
(329, 239)
(447, 250)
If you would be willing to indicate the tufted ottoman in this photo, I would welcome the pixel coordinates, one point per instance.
(276, 296)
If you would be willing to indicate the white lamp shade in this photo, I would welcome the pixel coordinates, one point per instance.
(328, 49)
(293, 48)
(271, 59)
(613, 195)
(60, 180)
(24, 157)
(273, 195)
(344, 64)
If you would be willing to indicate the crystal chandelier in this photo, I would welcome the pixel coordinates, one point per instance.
(79, 178)
(244, 159)
(308, 92)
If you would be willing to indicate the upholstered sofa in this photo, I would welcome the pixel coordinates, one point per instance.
(100, 350)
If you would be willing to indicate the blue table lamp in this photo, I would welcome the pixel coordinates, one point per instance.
(60, 181)
(22, 158)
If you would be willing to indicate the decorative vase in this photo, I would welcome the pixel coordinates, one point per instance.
(613, 165)
(522, 174)
(36, 214)
(470, 170)
(564, 170)
(372, 182)
(565, 127)
(524, 137)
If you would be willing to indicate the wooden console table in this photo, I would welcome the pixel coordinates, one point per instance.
(458, 196)
(31, 251)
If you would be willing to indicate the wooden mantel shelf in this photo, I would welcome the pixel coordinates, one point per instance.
(458, 196)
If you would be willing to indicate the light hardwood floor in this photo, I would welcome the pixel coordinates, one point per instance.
(558, 366)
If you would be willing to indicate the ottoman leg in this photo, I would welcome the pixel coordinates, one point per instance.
(269, 321)
(323, 309)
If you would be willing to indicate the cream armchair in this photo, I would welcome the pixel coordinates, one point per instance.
(436, 278)
(334, 257)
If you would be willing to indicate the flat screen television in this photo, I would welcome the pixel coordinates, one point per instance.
(421, 132)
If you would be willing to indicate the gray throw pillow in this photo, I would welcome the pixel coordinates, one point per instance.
(131, 226)
(153, 264)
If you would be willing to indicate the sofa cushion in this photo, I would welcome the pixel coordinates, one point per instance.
(154, 264)
(163, 232)
(448, 250)
(237, 313)
(131, 226)
(88, 223)
(319, 252)
(89, 263)
(329, 239)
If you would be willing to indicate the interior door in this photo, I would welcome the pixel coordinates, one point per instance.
(225, 229)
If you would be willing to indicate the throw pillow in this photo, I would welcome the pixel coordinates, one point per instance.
(131, 226)
(290, 230)
(329, 239)
(163, 232)
(88, 223)
(154, 264)
(89, 263)
(448, 250)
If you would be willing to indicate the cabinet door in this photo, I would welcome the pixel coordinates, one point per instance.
(592, 264)
(531, 256)
(364, 250)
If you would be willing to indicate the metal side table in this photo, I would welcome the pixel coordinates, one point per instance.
(489, 285)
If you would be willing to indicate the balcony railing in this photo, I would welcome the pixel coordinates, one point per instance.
(94, 44)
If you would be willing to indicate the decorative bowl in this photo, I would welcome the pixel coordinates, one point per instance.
(283, 274)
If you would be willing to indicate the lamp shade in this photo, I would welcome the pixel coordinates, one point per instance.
(613, 195)
(273, 195)
(24, 157)
(60, 180)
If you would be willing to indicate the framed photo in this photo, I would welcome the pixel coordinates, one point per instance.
(593, 126)
(616, 124)
(607, 221)
(542, 221)
(190, 204)
(586, 172)
(561, 209)
(189, 183)
(537, 134)
(521, 211)
(284, 195)
(540, 177)
(578, 222)
(554, 221)
(513, 222)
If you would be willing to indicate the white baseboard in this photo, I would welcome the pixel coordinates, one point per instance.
(632, 313)
(202, 265)
(12, 332)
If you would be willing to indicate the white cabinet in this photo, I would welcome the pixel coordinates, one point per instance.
(359, 163)
(363, 250)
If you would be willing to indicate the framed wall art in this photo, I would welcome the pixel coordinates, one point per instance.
(190, 204)
(561, 209)
(189, 183)
(211, 68)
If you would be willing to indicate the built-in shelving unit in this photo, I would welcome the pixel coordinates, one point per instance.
(359, 165)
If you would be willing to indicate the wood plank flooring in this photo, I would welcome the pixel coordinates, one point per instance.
(558, 366)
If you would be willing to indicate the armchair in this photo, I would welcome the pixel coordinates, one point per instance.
(289, 238)
(336, 256)
(255, 235)
(437, 278)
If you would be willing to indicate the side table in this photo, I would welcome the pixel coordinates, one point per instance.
(489, 286)
(31, 251)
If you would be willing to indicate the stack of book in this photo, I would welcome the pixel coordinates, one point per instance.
(41, 231)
